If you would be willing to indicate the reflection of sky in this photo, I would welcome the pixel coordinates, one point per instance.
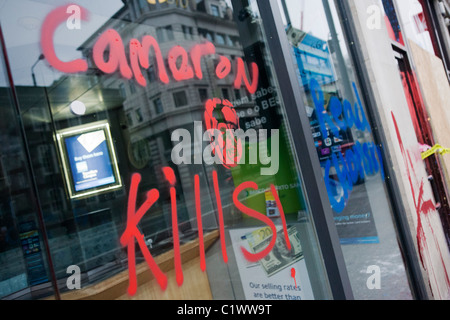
(21, 21)
(314, 19)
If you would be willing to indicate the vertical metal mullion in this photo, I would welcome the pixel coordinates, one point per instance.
(305, 150)
(35, 192)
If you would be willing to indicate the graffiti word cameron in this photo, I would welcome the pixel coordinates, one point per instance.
(358, 161)
(132, 235)
(109, 56)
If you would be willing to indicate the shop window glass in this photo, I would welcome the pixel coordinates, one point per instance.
(23, 264)
(252, 203)
(351, 160)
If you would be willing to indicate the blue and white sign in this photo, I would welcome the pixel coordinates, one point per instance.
(90, 165)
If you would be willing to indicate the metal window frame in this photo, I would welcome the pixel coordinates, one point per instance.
(34, 190)
(303, 143)
(315, 188)
(438, 36)
(406, 241)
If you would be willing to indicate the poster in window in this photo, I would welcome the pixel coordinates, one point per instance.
(89, 160)
(281, 275)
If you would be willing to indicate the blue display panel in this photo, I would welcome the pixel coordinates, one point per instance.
(89, 160)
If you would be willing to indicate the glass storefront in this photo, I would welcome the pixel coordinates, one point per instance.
(22, 254)
(148, 125)
(350, 158)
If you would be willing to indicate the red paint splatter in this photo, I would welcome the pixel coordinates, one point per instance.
(293, 276)
(220, 212)
(423, 210)
(283, 217)
(170, 177)
(229, 148)
(198, 207)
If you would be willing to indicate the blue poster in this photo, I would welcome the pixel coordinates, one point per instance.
(354, 221)
(89, 160)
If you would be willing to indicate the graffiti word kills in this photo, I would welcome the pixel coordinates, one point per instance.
(425, 235)
(182, 65)
(132, 234)
(358, 161)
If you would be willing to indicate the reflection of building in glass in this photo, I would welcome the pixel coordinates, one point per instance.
(85, 231)
(76, 230)
(21, 246)
(154, 111)
(314, 60)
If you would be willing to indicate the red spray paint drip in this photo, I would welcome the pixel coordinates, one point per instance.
(423, 210)
(169, 174)
(198, 207)
(221, 221)
(293, 276)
